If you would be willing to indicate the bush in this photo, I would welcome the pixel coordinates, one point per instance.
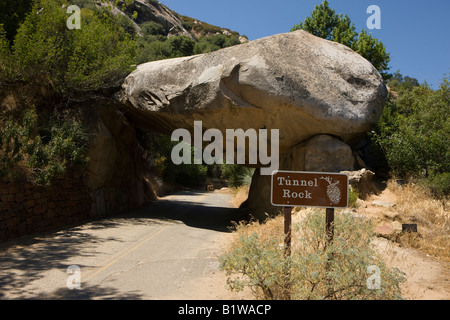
(100, 54)
(352, 197)
(152, 28)
(40, 154)
(159, 149)
(237, 175)
(314, 270)
(12, 14)
(6, 68)
(414, 131)
(438, 184)
(158, 49)
(215, 42)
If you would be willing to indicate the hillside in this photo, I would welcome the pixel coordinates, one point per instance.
(170, 22)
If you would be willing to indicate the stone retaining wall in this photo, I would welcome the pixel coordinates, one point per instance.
(26, 208)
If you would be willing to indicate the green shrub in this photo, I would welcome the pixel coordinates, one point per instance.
(438, 184)
(6, 62)
(414, 131)
(152, 28)
(237, 175)
(159, 49)
(315, 269)
(352, 197)
(87, 4)
(97, 55)
(40, 154)
(12, 14)
(215, 42)
(159, 150)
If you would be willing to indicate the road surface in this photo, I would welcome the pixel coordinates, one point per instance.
(166, 250)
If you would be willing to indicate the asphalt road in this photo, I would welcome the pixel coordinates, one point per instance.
(161, 251)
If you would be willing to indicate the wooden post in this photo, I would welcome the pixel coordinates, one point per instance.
(329, 225)
(287, 230)
(329, 231)
(287, 249)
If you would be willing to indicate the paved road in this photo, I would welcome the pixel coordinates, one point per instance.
(162, 251)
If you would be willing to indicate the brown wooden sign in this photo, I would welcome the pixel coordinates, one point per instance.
(309, 189)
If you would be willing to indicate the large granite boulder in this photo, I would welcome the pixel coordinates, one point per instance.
(300, 84)
(295, 82)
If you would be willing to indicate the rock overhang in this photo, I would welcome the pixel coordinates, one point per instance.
(295, 82)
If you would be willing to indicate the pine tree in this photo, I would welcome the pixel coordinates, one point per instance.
(326, 24)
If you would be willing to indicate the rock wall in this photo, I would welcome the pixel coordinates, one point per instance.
(26, 208)
(113, 181)
(114, 174)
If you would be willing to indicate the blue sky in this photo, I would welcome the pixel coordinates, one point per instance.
(415, 32)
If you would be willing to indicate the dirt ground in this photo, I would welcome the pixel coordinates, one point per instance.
(427, 278)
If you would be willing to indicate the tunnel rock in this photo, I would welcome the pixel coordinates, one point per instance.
(300, 84)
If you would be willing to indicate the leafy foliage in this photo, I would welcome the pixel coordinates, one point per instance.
(237, 175)
(99, 54)
(12, 13)
(5, 56)
(215, 42)
(414, 131)
(159, 149)
(325, 23)
(40, 153)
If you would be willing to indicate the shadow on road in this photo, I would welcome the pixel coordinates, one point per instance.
(218, 216)
(24, 260)
(27, 258)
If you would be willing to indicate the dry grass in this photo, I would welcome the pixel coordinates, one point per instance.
(431, 215)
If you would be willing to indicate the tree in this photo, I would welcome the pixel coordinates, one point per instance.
(414, 131)
(374, 51)
(12, 13)
(100, 54)
(5, 55)
(326, 24)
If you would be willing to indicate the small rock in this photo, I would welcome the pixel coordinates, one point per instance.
(361, 203)
(397, 226)
(385, 204)
(392, 215)
(385, 230)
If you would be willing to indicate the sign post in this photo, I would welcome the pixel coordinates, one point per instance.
(287, 231)
(309, 189)
(329, 225)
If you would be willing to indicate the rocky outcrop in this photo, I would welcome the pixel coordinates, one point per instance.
(295, 82)
(148, 10)
(114, 174)
(361, 181)
(320, 95)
